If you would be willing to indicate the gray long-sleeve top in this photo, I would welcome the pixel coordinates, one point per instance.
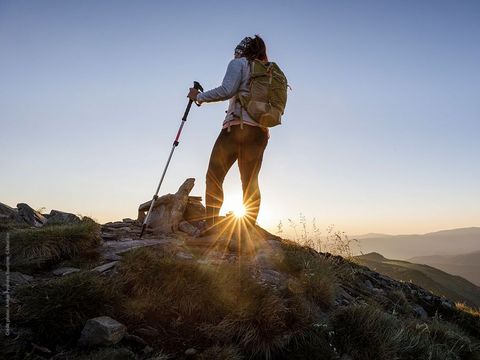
(234, 82)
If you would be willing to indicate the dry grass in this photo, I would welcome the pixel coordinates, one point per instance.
(468, 319)
(51, 244)
(56, 310)
(314, 275)
(227, 352)
(331, 240)
(366, 332)
(206, 305)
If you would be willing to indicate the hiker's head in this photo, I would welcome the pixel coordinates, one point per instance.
(252, 48)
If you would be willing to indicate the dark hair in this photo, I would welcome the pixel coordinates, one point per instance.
(253, 48)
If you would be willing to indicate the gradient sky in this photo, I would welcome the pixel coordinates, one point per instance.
(380, 134)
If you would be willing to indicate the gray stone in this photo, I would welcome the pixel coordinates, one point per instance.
(16, 278)
(419, 311)
(194, 211)
(188, 228)
(105, 267)
(147, 331)
(184, 256)
(101, 330)
(147, 350)
(272, 277)
(368, 284)
(190, 352)
(30, 216)
(112, 248)
(448, 304)
(60, 217)
(134, 339)
(65, 271)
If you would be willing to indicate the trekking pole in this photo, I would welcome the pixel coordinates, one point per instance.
(199, 87)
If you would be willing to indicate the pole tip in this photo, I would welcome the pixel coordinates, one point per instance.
(143, 229)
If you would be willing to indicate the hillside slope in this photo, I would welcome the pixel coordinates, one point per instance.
(435, 280)
(81, 291)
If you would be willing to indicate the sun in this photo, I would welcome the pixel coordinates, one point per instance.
(239, 211)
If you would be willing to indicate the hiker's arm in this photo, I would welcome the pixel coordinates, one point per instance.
(229, 87)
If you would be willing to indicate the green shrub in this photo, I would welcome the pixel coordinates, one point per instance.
(51, 244)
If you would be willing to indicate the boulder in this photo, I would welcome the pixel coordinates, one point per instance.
(195, 211)
(168, 210)
(188, 228)
(60, 217)
(101, 330)
(30, 216)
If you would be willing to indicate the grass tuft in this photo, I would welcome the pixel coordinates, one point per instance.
(227, 352)
(365, 332)
(51, 244)
(314, 275)
(56, 310)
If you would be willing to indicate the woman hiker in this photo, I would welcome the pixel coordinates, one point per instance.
(241, 138)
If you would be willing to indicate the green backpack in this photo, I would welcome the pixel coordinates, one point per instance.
(268, 94)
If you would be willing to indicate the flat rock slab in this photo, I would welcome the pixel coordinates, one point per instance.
(16, 278)
(205, 241)
(65, 271)
(111, 249)
(105, 267)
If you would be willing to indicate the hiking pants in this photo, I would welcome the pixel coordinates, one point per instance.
(247, 146)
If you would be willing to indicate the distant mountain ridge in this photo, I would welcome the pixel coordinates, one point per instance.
(439, 282)
(443, 242)
(465, 265)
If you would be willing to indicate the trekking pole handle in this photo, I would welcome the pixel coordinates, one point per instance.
(196, 85)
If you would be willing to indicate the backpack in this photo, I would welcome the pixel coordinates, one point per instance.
(268, 93)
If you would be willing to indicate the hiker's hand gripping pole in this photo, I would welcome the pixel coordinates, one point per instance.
(199, 87)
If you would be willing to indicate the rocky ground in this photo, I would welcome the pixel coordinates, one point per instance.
(294, 303)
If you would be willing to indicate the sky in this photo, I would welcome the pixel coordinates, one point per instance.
(380, 133)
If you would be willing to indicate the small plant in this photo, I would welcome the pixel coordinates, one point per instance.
(334, 241)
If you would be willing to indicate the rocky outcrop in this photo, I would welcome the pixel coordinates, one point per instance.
(57, 217)
(30, 216)
(25, 215)
(8, 214)
(171, 211)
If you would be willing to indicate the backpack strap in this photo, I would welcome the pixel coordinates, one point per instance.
(239, 98)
